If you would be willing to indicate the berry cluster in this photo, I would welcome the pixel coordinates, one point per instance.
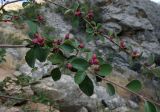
(94, 60)
(38, 39)
(89, 15)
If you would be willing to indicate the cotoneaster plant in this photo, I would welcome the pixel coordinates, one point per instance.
(70, 53)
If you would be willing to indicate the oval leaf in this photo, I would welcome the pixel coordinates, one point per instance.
(80, 64)
(110, 89)
(156, 71)
(105, 70)
(67, 48)
(87, 86)
(134, 85)
(31, 57)
(41, 54)
(32, 27)
(57, 58)
(56, 74)
(79, 77)
(149, 107)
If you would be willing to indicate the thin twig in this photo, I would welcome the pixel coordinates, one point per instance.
(12, 46)
(2, 7)
(126, 89)
(15, 98)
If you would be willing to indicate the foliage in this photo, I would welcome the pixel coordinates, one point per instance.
(2, 55)
(70, 53)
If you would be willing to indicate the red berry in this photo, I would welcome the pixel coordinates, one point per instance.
(81, 45)
(55, 50)
(135, 54)
(6, 21)
(90, 15)
(69, 66)
(78, 13)
(122, 44)
(96, 61)
(40, 18)
(38, 40)
(59, 42)
(91, 62)
(14, 18)
(94, 56)
(67, 36)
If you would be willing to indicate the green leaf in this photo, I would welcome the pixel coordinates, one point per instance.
(42, 53)
(33, 28)
(89, 30)
(110, 89)
(57, 58)
(80, 64)
(105, 70)
(31, 57)
(24, 4)
(156, 71)
(75, 6)
(134, 86)
(89, 37)
(101, 60)
(99, 25)
(79, 77)
(87, 86)
(67, 47)
(68, 11)
(56, 74)
(151, 59)
(149, 107)
(75, 22)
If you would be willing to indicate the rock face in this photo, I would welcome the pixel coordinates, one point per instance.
(71, 99)
(133, 20)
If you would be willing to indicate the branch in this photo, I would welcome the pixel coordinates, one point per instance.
(15, 98)
(2, 7)
(13, 46)
(126, 89)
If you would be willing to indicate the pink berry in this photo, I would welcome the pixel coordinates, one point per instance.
(96, 61)
(81, 45)
(94, 56)
(90, 15)
(67, 36)
(122, 44)
(69, 66)
(38, 40)
(78, 13)
(40, 18)
(91, 62)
